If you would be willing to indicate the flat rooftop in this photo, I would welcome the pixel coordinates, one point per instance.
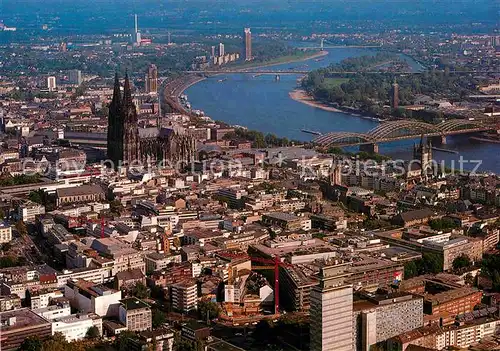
(282, 216)
(316, 246)
(133, 303)
(21, 318)
(221, 345)
(450, 295)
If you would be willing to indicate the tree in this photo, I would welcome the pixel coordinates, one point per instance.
(5, 247)
(184, 345)
(445, 224)
(469, 279)
(140, 291)
(21, 228)
(157, 292)
(37, 196)
(56, 342)
(93, 333)
(462, 261)
(411, 269)
(121, 343)
(177, 242)
(210, 308)
(32, 343)
(8, 261)
(431, 263)
(116, 207)
(158, 317)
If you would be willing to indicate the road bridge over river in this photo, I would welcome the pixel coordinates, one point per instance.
(401, 130)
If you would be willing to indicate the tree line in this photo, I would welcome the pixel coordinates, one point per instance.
(370, 92)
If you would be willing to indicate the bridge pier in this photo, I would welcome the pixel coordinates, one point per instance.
(369, 148)
(438, 140)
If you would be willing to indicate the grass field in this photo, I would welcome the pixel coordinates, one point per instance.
(334, 82)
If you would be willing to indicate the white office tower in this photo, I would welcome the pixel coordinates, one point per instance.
(137, 34)
(221, 50)
(51, 83)
(331, 311)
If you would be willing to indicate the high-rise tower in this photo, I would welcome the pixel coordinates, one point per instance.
(395, 95)
(152, 80)
(248, 44)
(331, 311)
(137, 33)
(221, 49)
(51, 83)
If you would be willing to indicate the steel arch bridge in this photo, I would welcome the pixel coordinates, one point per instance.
(399, 130)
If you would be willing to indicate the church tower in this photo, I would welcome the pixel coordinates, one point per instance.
(423, 152)
(130, 126)
(123, 133)
(115, 124)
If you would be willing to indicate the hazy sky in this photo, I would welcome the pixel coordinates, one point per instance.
(113, 14)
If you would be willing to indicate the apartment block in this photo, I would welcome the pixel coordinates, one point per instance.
(184, 295)
(135, 314)
(17, 325)
(378, 317)
(75, 326)
(9, 302)
(89, 297)
(5, 233)
(331, 311)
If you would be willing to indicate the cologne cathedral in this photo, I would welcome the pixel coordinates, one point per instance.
(128, 144)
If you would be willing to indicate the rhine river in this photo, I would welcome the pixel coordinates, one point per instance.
(262, 103)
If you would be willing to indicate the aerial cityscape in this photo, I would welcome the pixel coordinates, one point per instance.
(248, 175)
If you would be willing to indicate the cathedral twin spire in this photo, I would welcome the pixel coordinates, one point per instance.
(123, 133)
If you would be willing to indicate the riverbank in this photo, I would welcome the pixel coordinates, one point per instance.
(283, 61)
(188, 83)
(302, 96)
(174, 89)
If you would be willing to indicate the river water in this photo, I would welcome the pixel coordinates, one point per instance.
(264, 104)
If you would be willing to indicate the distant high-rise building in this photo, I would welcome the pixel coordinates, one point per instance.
(51, 83)
(221, 50)
(137, 34)
(495, 41)
(395, 95)
(75, 76)
(152, 80)
(331, 311)
(213, 52)
(248, 44)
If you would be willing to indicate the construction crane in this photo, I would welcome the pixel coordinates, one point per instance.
(272, 264)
